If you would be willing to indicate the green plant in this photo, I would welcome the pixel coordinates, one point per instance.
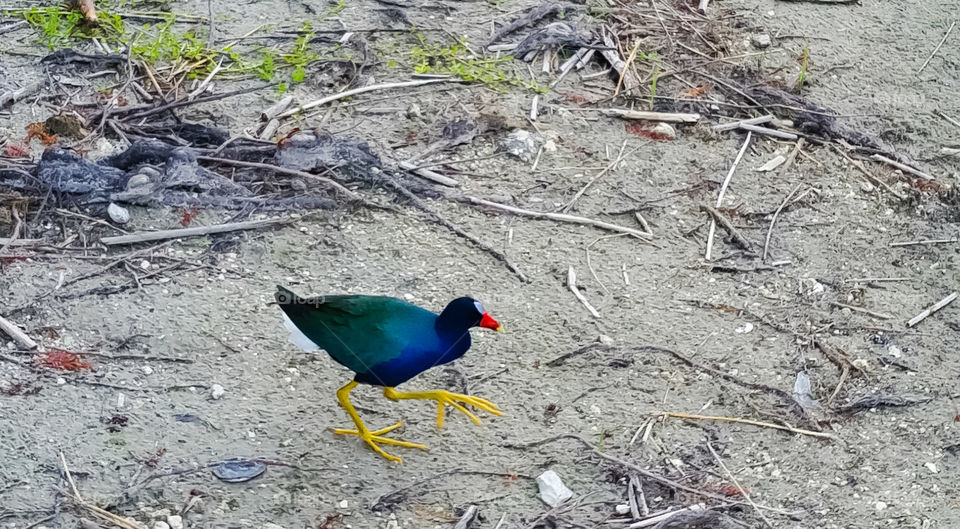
(337, 8)
(56, 27)
(300, 56)
(457, 60)
(804, 63)
(653, 85)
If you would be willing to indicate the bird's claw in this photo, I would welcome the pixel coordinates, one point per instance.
(454, 400)
(376, 436)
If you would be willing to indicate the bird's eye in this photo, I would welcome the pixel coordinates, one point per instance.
(479, 307)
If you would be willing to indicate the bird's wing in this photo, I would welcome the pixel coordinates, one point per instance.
(359, 332)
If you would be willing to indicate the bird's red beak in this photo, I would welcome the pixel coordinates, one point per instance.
(487, 322)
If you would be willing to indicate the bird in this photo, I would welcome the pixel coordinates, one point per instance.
(387, 341)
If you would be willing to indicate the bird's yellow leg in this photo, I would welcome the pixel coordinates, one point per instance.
(444, 398)
(371, 437)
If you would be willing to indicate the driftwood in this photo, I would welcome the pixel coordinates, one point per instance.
(160, 235)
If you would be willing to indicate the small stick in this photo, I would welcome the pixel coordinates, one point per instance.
(284, 170)
(533, 107)
(723, 190)
(743, 491)
(632, 487)
(18, 336)
(275, 109)
(878, 279)
(822, 435)
(935, 50)
(703, 6)
(854, 308)
(941, 114)
(467, 518)
(572, 285)
(934, 308)
(923, 242)
(673, 117)
(268, 130)
(902, 167)
(773, 221)
(16, 231)
(362, 90)
(769, 132)
(161, 235)
(433, 176)
(657, 519)
(870, 177)
(566, 207)
(738, 237)
(737, 124)
(559, 217)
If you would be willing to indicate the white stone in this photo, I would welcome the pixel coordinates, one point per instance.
(761, 41)
(664, 131)
(343, 504)
(623, 509)
(217, 392)
(175, 521)
(270, 525)
(932, 467)
(880, 505)
(160, 525)
(147, 370)
(118, 214)
(552, 490)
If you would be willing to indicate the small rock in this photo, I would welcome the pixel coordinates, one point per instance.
(664, 131)
(118, 214)
(895, 351)
(761, 41)
(147, 370)
(623, 509)
(520, 143)
(160, 525)
(744, 328)
(175, 521)
(414, 112)
(217, 392)
(932, 467)
(867, 187)
(605, 340)
(343, 504)
(552, 490)
(269, 525)
(880, 505)
(138, 180)
(550, 146)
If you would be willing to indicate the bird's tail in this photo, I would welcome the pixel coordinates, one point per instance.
(285, 296)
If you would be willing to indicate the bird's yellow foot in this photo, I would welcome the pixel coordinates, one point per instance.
(376, 436)
(445, 398)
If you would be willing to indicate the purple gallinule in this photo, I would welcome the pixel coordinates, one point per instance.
(387, 341)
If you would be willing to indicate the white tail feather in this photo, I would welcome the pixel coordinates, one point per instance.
(297, 337)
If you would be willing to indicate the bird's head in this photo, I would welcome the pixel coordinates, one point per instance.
(467, 312)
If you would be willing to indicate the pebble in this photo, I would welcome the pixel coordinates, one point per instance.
(520, 143)
(664, 131)
(269, 525)
(175, 521)
(118, 214)
(552, 490)
(147, 370)
(623, 509)
(160, 525)
(761, 41)
(880, 505)
(932, 467)
(867, 187)
(343, 504)
(217, 392)
(605, 340)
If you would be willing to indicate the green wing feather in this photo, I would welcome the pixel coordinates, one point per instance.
(357, 331)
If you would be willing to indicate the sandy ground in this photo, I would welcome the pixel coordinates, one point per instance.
(887, 467)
